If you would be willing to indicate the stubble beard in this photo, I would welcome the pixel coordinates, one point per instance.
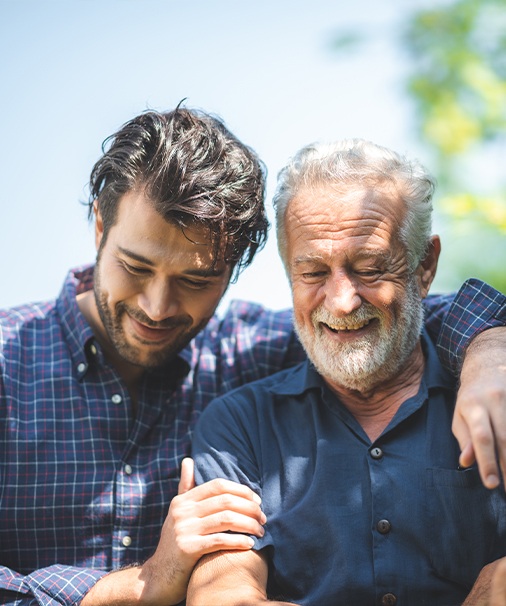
(141, 354)
(372, 359)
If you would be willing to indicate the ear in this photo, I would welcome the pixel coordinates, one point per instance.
(428, 265)
(99, 225)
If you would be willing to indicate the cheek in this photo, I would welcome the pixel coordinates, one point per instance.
(383, 295)
(305, 301)
(202, 305)
(389, 298)
(115, 285)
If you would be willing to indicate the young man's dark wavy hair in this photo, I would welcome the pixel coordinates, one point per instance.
(194, 171)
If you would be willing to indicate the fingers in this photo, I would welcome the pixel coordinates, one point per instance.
(480, 411)
(187, 480)
(228, 521)
(218, 515)
(219, 487)
(467, 456)
(474, 427)
(210, 513)
(498, 420)
(461, 432)
(225, 542)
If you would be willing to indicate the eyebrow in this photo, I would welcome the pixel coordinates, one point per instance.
(308, 259)
(363, 254)
(204, 272)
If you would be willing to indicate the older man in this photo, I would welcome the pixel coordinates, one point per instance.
(352, 452)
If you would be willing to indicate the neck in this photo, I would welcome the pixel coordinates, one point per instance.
(375, 407)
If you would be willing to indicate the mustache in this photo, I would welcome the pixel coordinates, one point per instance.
(142, 318)
(364, 313)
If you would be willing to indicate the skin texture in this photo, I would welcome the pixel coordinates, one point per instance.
(498, 591)
(343, 254)
(156, 288)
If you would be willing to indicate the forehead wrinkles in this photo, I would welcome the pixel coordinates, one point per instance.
(319, 217)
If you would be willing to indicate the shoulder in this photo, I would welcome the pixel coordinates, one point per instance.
(25, 323)
(256, 398)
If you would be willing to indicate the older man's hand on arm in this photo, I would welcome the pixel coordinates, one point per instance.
(230, 579)
(197, 524)
(479, 422)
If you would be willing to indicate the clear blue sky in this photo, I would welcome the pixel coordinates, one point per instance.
(73, 71)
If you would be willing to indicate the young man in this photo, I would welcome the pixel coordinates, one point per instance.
(351, 451)
(100, 390)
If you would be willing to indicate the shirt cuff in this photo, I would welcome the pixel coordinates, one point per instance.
(53, 586)
(476, 308)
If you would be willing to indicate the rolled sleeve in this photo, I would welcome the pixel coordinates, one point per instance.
(477, 307)
(52, 586)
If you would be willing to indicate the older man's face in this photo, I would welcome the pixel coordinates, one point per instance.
(357, 308)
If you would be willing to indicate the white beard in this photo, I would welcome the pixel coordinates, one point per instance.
(372, 359)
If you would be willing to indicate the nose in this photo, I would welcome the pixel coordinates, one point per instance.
(158, 300)
(341, 295)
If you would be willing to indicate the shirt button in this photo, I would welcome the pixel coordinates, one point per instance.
(389, 599)
(384, 527)
(128, 470)
(116, 399)
(93, 350)
(376, 453)
(81, 367)
(127, 541)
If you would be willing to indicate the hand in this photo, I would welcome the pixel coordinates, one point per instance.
(197, 524)
(479, 422)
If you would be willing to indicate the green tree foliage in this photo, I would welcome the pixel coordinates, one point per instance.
(457, 81)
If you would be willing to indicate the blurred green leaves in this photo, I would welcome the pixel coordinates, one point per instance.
(456, 82)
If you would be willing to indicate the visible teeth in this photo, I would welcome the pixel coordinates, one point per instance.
(349, 326)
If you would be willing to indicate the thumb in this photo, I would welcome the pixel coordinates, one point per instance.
(187, 481)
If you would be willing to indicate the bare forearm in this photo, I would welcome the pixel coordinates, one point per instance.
(120, 588)
(230, 579)
(134, 586)
(480, 593)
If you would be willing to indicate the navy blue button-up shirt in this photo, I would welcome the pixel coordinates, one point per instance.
(85, 487)
(351, 522)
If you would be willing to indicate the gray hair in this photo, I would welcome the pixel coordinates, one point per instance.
(357, 162)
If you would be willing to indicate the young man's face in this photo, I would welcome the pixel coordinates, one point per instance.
(155, 286)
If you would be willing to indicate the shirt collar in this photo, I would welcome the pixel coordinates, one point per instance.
(305, 377)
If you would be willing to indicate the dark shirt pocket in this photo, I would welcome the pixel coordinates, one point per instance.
(465, 524)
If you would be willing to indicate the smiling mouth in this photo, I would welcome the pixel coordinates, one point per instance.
(348, 327)
(152, 334)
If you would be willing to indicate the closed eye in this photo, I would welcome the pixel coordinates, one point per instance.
(136, 270)
(369, 272)
(195, 284)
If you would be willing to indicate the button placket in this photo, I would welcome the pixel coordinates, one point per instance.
(126, 541)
